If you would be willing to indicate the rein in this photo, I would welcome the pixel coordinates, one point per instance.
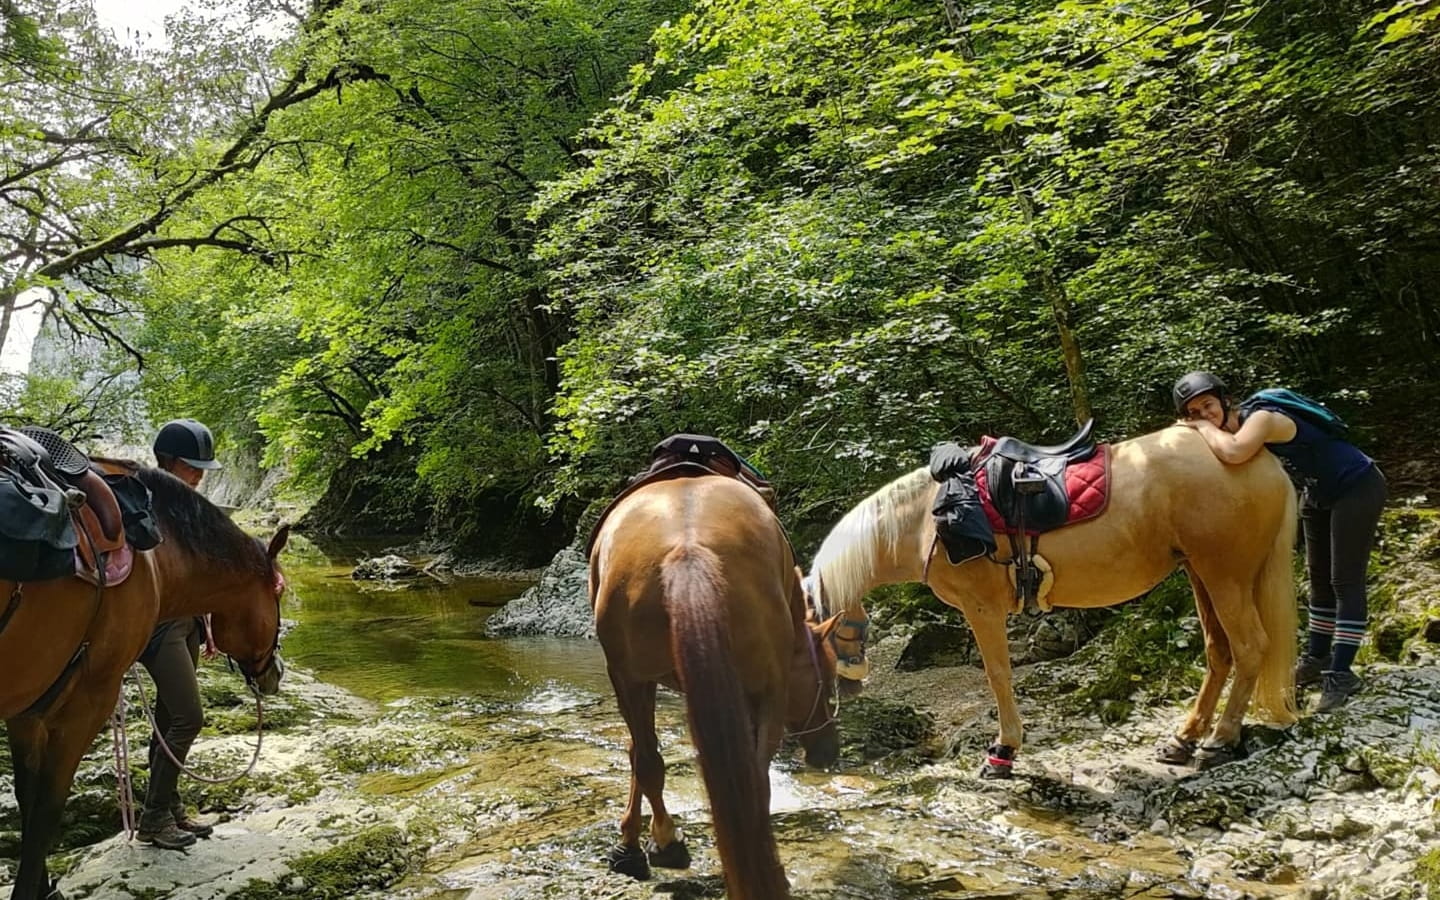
(819, 691)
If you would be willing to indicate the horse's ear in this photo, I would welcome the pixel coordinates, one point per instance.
(277, 543)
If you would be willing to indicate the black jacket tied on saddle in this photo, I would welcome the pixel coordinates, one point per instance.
(960, 521)
(37, 536)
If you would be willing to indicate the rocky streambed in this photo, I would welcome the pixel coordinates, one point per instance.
(448, 763)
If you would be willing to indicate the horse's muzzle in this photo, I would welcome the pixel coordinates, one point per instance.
(824, 751)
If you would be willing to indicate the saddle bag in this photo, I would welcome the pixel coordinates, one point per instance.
(960, 520)
(37, 537)
(141, 529)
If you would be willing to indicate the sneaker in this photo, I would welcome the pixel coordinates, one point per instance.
(1309, 670)
(166, 837)
(1336, 689)
(200, 829)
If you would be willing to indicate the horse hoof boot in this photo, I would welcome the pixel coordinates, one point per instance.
(1209, 756)
(674, 855)
(629, 861)
(55, 893)
(999, 762)
(1175, 752)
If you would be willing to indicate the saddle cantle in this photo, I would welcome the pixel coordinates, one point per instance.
(1078, 448)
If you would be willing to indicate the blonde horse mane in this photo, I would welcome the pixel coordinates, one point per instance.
(844, 566)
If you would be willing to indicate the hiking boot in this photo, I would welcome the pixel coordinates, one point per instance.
(185, 822)
(166, 837)
(1309, 670)
(1336, 689)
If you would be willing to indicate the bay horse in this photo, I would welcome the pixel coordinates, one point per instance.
(1172, 502)
(65, 645)
(694, 586)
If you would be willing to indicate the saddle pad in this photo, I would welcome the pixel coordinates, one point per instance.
(1087, 484)
(118, 566)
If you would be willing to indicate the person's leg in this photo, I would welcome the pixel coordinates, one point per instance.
(183, 820)
(176, 689)
(1353, 523)
(1316, 524)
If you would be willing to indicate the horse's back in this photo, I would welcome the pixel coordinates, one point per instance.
(1170, 499)
(713, 531)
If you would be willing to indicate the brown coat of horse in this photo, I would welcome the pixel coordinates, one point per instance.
(695, 587)
(53, 708)
(1171, 503)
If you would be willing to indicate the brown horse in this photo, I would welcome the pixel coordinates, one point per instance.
(66, 646)
(1171, 502)
(695, 587)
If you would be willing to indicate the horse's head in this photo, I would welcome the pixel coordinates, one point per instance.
(248, 630)
(811, 708)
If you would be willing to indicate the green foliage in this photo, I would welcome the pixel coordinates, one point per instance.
(855, 228)
(1153, 644)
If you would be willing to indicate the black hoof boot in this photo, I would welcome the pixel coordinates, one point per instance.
(674, 855)
(1175, 752)
(999, 761)
(55, 893)
(1211, 755)
(629, 861)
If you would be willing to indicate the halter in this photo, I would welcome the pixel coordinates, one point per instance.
(819, 691)
(254, 670)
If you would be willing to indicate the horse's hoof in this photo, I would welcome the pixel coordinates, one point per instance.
(999, 762)
(1209, 756)
(849, 687)
(674, 855)
(1175, 752)
(629, 861)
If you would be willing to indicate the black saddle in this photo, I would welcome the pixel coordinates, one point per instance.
(1027, 482)
(1078, 448)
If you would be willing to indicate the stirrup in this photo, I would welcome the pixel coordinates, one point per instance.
(854, 667)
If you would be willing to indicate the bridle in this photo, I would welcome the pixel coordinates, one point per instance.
(254, 670)
(831, 715)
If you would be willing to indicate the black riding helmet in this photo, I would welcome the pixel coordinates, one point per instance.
(188, 441)
(1193, 384)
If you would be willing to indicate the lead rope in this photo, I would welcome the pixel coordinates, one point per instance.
(160, 738)
(124, 790)
(819, 691)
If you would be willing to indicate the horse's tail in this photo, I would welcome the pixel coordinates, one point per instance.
(720, 725)
(1274, 698)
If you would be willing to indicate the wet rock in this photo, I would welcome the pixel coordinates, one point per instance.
(1431, 631)
(559, 605)
(384, 568)
(938, 644)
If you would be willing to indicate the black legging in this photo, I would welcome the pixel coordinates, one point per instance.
(1337, 550)
(178, 714)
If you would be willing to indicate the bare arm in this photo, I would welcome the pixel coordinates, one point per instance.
(1261, 428)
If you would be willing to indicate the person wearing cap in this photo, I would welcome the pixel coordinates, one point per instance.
(186, 449)
(1343, 492)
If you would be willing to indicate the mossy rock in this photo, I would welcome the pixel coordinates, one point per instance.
(871, 729)
(372, 860)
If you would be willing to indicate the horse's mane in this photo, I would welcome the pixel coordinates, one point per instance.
(845, 563)
(200, 528)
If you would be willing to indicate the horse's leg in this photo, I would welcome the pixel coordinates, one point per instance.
(1180, 749)
(1236, 613)
(987, 623)
(628, 858)
(51, 748)
(668, 850)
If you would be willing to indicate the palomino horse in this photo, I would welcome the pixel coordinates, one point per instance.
(66, 646)
(1171, 502)
(695, 587)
